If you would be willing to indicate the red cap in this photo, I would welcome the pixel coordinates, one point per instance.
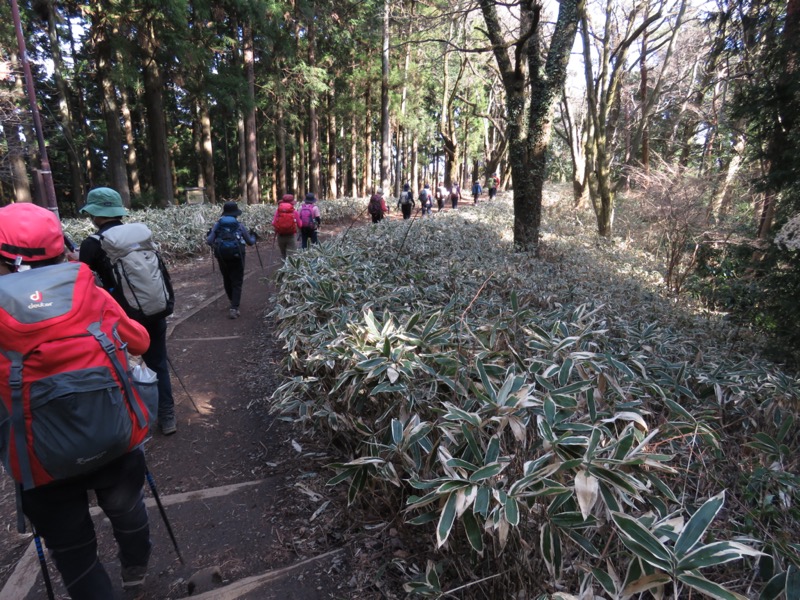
(31, 232)
(287, 198)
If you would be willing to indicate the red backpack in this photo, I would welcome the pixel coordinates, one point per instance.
(67, 403)
(284, 220)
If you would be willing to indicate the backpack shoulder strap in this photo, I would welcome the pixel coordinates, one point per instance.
(108, 346)
(18, 415)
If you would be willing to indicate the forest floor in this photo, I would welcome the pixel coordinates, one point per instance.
(244, 492)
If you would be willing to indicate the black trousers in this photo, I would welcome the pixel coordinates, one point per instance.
(232, 278)
(60, 514)
(156, 359)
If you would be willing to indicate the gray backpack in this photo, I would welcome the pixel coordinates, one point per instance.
(142, 283)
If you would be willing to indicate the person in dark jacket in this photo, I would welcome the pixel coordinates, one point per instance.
(228, 238)
(104, 206)
(476, 190)
(406, 201)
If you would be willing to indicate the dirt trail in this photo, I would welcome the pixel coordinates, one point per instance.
(232, 479)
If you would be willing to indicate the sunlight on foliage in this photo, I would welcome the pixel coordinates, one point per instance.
(558, 410)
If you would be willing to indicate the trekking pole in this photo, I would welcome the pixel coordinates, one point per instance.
(258, 254)
(353, 222)
(43, 563)
(153, 489)
(185, 391)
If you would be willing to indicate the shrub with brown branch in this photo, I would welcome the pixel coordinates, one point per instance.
(675, 204)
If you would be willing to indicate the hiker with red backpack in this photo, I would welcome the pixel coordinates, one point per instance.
(377, 206)
(310, 220)
(104, 206)
(71, 419)
(228, 238)
(286, 223)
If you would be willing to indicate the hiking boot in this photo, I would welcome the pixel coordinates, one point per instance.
(168, 425)
(233, 313)
(133, 576)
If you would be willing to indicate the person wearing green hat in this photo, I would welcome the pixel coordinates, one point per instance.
(104, 206)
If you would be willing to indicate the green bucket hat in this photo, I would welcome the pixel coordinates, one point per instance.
(104, 202)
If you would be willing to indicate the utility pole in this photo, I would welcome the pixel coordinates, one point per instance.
(45, 172)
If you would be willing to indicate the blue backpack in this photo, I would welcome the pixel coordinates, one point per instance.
(228, 240)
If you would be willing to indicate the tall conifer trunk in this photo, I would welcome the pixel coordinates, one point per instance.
(251, 191)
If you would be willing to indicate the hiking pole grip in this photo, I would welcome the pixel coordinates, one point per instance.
(161, 510)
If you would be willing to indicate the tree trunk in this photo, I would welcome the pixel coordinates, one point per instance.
(645, 144)
(416, 180)
(130, 154)
(242, 138)
(385, 130)
(527, 148)
(251, 195)
(283, 187)
(353, 170)
(118, 177)
(333, 171)
(207, 151)
(76, 176)
(315, 160)
(301, 166)
(81, 121)
(17, 148)
(156, 119)
(368, 186)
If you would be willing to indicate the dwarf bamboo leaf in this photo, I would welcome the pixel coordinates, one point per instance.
(487, 471)
(584, 543)
(550, 544)
(424, 518)
(488, 386)
(643, 543)
(397, 432)
(715, 553)
(446, 520)
(473, 531)
(482, 499)
(709, 588)
(792, 582)
(587, 489)
(698, 524)
(605, 580)
(492, 451)
(647, 582)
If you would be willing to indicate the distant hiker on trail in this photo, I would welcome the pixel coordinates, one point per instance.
(228, 238)
(492, 185)
(286, 224)
(476, 191)
(107, 253)
(425, 200)
(73, 422)
(441, 193)
(406, 201)
(377, 206)
(455, 195)
(310, 219)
